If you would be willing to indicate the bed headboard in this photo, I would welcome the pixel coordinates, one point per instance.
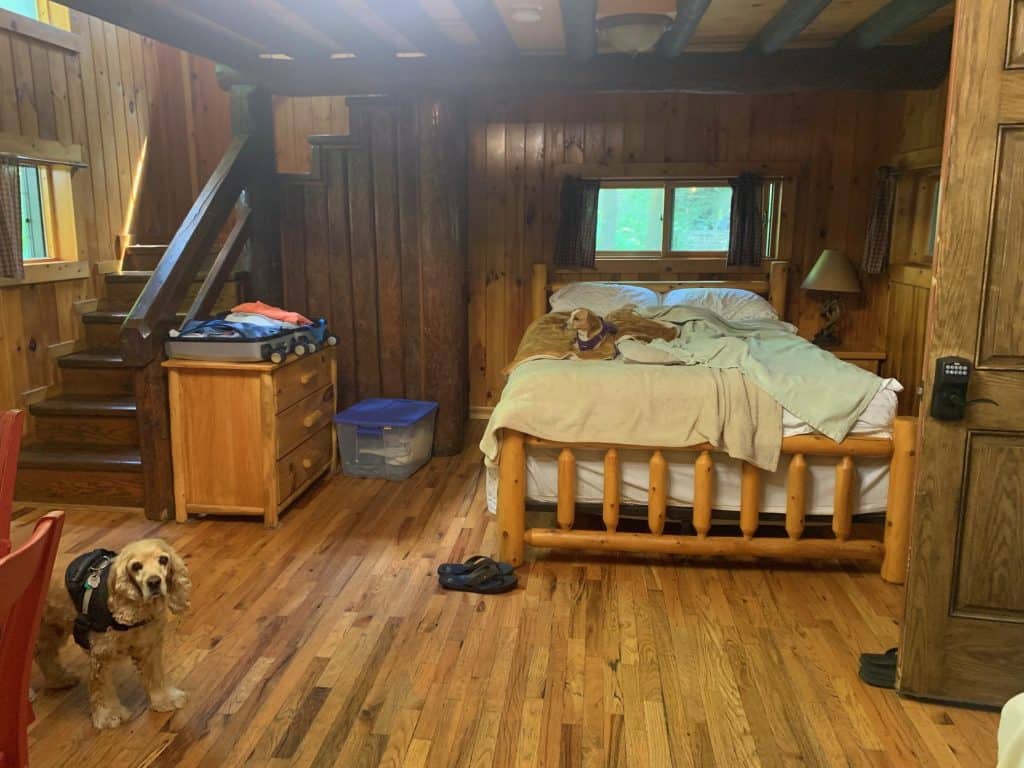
(770, 283)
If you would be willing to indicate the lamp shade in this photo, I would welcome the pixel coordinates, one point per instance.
(833, 273)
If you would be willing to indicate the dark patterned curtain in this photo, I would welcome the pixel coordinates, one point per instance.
(746, 231)
(883, 198)
(577, 225)
(10, 220)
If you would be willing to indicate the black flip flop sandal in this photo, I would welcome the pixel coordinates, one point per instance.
(485, 579)
(461, 569)
(879, 669)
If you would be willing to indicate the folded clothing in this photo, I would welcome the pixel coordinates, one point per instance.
(274, 313)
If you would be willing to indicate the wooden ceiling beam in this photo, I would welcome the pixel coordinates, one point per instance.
(274, 27)
(349, 33)
(488, 26)
(177, 26)
(415, 25)
(802, 69)
(677, 37)
(787, 24)
(889, 20)
(579, 19)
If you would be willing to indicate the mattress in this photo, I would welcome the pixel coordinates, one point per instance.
(870, 487)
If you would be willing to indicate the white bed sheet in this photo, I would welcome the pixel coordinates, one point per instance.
(870, 488)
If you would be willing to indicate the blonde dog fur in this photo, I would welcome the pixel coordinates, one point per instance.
(147, 579)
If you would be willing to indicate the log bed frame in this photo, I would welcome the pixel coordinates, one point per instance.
(893, 550)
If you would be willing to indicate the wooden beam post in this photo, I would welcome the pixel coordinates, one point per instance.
(153, 417)
(887, 21)
(511, 498)
(579, 18)
(789, 22)
(899, 510)
(252, 114)
(688, 16)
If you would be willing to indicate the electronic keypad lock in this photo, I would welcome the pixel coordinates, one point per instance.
(949, 395)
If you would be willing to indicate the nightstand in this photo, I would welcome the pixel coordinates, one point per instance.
(868, 359)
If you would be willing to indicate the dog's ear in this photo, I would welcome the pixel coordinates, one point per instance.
(179, 585)
(125, 596)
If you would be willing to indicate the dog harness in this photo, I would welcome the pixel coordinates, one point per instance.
(606, 329)
(86, 582)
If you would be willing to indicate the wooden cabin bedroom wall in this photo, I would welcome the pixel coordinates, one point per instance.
(919, 147)
(151, 124)
(838, 139)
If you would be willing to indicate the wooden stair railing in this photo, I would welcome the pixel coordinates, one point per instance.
(153, 315)
(155, 312)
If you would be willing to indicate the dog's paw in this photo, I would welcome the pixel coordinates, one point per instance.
(167, 700)
(110, 717)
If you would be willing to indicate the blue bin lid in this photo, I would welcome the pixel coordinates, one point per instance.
(385, 412)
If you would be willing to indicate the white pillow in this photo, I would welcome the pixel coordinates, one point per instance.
(733, 304)
(602, 298)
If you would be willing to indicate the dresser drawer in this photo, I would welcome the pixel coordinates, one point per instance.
(298, 380)
(296, 424)
(304, 462)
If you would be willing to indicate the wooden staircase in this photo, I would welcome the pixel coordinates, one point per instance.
(86, 446)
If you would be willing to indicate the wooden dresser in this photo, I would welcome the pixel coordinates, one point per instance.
(248, 438)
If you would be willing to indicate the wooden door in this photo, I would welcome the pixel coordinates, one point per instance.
(964, 627)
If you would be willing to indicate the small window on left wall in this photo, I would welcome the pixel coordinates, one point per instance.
(33, 227)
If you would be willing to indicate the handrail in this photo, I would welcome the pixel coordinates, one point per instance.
(153, 314)
(220, 271)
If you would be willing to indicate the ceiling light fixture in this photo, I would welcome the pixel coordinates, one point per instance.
(633, 32)
(527, 14)
(276, 56)
(410, 55)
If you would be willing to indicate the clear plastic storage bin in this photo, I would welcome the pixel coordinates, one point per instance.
(385, 437)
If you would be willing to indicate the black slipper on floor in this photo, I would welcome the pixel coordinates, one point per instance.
(485, 579)
(879, 669)
(461, 569)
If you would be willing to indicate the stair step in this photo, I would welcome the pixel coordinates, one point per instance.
(93, 358)
(142, 256)
(123, 289)
(113, 317)
(83, 405)
(69, 474)
(70, 457)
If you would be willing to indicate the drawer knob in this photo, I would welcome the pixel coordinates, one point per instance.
(307, 377)
(312, 418)
(307, 463)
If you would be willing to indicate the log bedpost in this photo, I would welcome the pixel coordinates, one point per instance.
(703, 490)
(566, 489)
(539, 291)
(750, 499)
(512, 499)
(778, 276)
(796, 496)
(842, 509)
(901, 499)
(657, 494)
(612, 488)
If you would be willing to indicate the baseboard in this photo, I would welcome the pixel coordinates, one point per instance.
(480, 412)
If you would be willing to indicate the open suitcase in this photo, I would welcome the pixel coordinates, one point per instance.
(218, 339)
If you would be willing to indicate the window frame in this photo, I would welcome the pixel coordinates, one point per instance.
(773, 193)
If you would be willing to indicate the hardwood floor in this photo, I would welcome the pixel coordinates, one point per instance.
(328, 642)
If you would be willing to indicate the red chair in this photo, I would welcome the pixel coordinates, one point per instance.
(25, 576)
(11, 423)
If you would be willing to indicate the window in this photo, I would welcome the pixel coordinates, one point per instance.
(28, 8)
(40, 10)
(677, 217)
(33, 230)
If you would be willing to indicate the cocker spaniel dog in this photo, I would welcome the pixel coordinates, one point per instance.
(115, 605)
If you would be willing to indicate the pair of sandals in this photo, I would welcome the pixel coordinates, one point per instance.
(879, 669)
(478, 574)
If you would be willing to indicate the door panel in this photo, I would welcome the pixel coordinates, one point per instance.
(1002, 333)
(990, 569)
(963, 634)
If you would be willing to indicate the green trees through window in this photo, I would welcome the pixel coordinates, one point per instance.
(700, 218)
(630, 218)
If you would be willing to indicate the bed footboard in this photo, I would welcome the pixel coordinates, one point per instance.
(513, 534)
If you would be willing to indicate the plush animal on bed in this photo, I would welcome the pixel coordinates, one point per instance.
(115, 605)
(584, 335)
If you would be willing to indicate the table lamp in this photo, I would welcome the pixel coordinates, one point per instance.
(832, 274)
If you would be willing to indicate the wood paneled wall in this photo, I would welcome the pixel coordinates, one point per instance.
(921, 127)
(373, 240)
(151, 126)
(838, 139)
(297, 118)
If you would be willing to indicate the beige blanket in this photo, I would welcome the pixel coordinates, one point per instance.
(549, 338)
(624, 404)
